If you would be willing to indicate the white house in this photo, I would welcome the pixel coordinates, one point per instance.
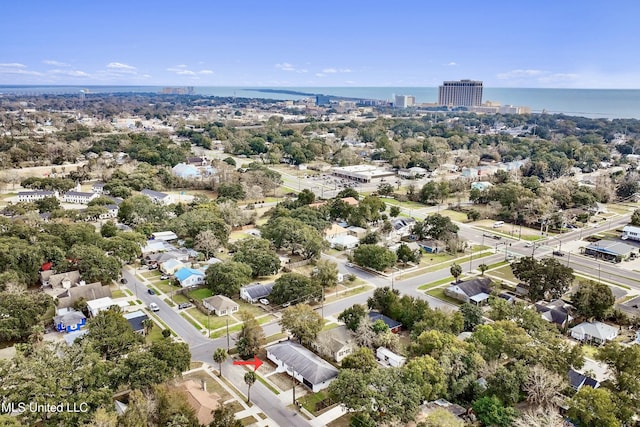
(596, 332)
(167, 236)
(98, 187)
(79, 197)
(220, 305)
(302, 364)
(97, 305)
(185, 171)
(112, 212)
(344, 242)
(389, 358)
(336, 343)
(188, 277)
(157, 197)
(171, 266)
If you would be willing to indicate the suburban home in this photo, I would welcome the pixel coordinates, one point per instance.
(481, 185)
(166, 236)
(388, 358)
(302, 364)
(79, 197)
(68, 320)
(188, 277)
(197, 161)
(202, 401)
(136, 320)
(556, 311)
(336, 343)
(157, 197)
(594, 332)
(578, 380)
(171, 266)
(32, 196)
(255, 292)
(48, 278)
(88, 292)
(343, 242)
(394, 325)
(112, 211)
(402, 226)
(358, 232)
(428, 407)
(220, 305)
(100, 304)
(475, 291)
(153, 246)
(335, 231)
(432, 246)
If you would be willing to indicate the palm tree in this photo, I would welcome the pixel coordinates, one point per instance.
(219, 356)
(456, 271)
(483, 268)
(249, 379)
(147, 324)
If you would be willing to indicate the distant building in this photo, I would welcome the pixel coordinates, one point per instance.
(611, 250)
(388, 358)
(220, 305)
(404, 101)
(630, 232)
(594, 332)
(157, 197)
(32, 196)
(462, 93)
(253, 293)
(79, 197)
(98, 187)
(183, 170)
(361, 173)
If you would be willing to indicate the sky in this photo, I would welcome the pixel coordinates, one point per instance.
(328, 43)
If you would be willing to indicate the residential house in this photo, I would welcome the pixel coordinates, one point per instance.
(154, 246)
(344, 242)
(334, 231)
(160, 257)
(49, 278)
(220, 305)
(81, 291)
(428, 407)
(401, 227)
(255, 292)
(202, 401)
(556, 311)
(188, 277)
(578, 380)
(358, 232)
(32, 196)
(481, 185)
(594, 332)
(336, 343)
(197, 161)
(394, 325)
(136, 320)
(157, 197)
(69, 320)
(432, 246)
(630, 232)
(476, 290)
(100, 304)
(302, 364)
(98, 187)
(112, 212)
(171, 266)
(79, 197)
(388, 358)
(166, 236)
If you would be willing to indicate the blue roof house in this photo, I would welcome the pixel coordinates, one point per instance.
(186, 171)
(188, 277)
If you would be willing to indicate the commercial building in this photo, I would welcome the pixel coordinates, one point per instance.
(462, 93)
(362, 173)
(404, 101)
(611, 250)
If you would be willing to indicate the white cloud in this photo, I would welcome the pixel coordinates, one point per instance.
(285, 66)
(519, 74)
(320, 75)
(452, 64)
(205, 72)
(336, 70)
(72, 73)
(16, 68)
(120, 66)
(13, 65)
(55, 63)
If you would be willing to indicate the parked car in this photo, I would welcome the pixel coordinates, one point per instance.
(558, 253)
(123, 281)
(151, 291)
(153, 267)
(263, 301)
(528, 244)
(154, 307)
(349, 264)
(165, 277)
(184, 305)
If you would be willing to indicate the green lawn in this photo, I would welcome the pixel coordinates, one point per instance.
(223, 332)
(215, 322)
(152, 274)
(310, 401)
(439, 293)
(178, 298)
(190, 320)
(265, 319)
(154, 335)
(454, 215)
(165, 286)
(200, 294)
(118, 294)
(267, 385)
(436, 283)
(255, 310)
(503, 273)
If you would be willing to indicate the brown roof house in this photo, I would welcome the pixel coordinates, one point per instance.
(203, 402)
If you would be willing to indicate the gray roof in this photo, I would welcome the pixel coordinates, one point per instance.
(79, 193)
(596, 329)
(611, 247)
(135, 319)
(475, 286)
(37, 192)
(70, 318)
(304, 362)
(153, 193)
(259, 290)
(220, 302)
(336, 338)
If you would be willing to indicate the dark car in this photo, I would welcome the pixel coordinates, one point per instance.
(151, 292)
(184, 305)
(123, 281)
(558, 253)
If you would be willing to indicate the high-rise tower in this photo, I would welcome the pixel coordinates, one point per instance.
(462, 93)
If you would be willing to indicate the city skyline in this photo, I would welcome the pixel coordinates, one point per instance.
(252, 43)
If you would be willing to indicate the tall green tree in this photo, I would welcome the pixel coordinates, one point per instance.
(352, 316)
(547, 278)
(325, 273)
(250, 337)
(491, 412)
(295, 288)
(249, 380)
(593, 300)
(592, 408)
(456, 271)
(220, 356)
(110, 334)
(226, 278)
(374, 256)
(257, 254)
(302, 322)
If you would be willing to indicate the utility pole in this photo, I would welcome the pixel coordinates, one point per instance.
(228, 334)
(471, 260)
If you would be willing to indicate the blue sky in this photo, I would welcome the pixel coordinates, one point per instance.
(572, 44)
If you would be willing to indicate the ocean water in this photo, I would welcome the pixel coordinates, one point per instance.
(606, 103)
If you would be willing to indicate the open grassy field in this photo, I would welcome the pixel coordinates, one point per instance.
(439, 293)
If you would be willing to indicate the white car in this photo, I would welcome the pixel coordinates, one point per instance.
(263, 301)
(154, 307)
(528, 244)
(349, 264)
